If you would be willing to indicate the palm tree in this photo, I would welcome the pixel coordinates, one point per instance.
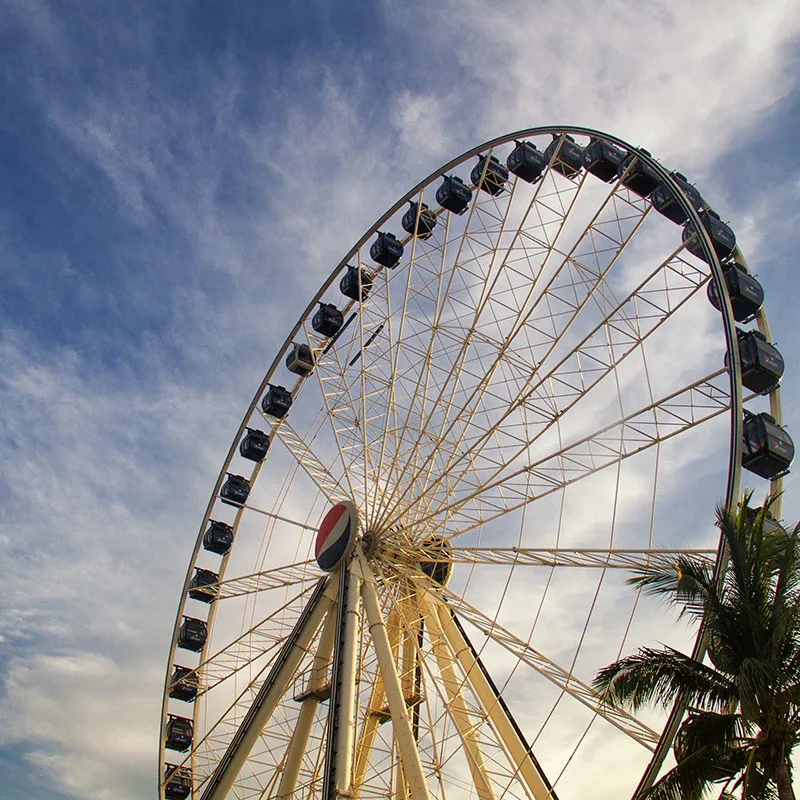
(743, 709)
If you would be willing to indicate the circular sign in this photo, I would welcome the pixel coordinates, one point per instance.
(337, 535)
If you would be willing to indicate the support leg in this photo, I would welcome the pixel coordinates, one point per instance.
(316, 683)
(341, 716)
(497, 713)
(404, 736)
(271, 692)
(458, 709)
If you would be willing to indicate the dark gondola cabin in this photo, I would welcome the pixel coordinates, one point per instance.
(437, 560)
(745, 292)
(602, 160)
(348, 285)
(277, 401)
(192, 634)
(327, 320)
(686, 742)
(254, 445)
(489, 175)
(218, 538)
(665, 202)
(178, 734)
(565, 154)
(419, 220)
(771, 525)
(300, 359)
(767, 449)
(639, 177)
(183, 684)
(454, 195)
(177, 782)
(526, 162)
(386, 250)
(762, 365)
(235, 490)
(723, 239)
(203, 586)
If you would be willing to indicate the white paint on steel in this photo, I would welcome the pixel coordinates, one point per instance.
(401, 724)
(458, 708)
(555, 673)
(305, 719)
(270, 694)
(529, 771)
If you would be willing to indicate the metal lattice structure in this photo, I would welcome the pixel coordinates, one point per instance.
(525, 396)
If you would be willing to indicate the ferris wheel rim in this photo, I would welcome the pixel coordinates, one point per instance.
(713, 262)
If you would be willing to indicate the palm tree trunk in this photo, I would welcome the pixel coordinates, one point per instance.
(783, 779)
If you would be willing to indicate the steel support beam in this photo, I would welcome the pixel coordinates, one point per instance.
(458, 707)
(305, 719)
(341, 714)
(271, 692)
(496, 710)
(413, 775)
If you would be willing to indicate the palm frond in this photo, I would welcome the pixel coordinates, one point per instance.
(745, 709)
(786, 598)
(685, 580)
(727, 734)
(689, 779)
(754, 675)
(757, 786)
(661, 676)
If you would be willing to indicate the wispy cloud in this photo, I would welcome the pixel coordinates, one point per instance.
(185, 201)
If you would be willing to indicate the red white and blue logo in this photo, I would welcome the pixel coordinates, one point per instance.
(337, 535)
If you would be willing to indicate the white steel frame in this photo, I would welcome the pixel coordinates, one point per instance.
(480, 441)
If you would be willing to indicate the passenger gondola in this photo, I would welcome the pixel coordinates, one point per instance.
(637, 175)
(178, 735)
(745, 292)
(204, 585)
(526, 162)
(277, 401)
(254, 445)
(767, 449)
(723, 239)
(761, 363)
(235, 490)
(349, 284)
(218, 538)
(327, 320)
(183, 684)
(489, 175)
(192, 634)
(386, 250)
(665, 202)
(419, 220)
(602, 159)
(565, 154)
(177, 782)
(454, 195)
(300, 359)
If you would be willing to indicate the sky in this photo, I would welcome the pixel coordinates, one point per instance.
(176, 181)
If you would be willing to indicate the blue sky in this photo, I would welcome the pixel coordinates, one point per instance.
(177, 179)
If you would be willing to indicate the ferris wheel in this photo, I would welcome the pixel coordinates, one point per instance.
(539, 369)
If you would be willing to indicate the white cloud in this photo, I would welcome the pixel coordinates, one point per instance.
(642, 71)
(107, 467)
(76, 708)
(97, 536)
